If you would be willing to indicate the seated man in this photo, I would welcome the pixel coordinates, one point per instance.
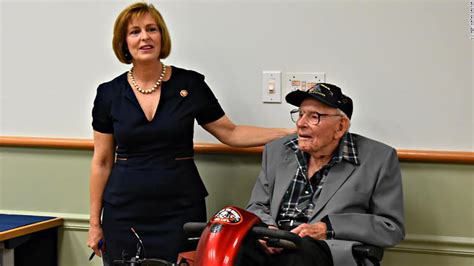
(331, 187)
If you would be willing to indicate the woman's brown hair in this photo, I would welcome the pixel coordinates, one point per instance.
(133, 11)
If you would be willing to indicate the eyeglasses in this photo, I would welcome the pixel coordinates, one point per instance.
(313, 118)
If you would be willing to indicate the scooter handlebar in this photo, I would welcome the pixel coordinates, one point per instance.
(278, 238)
(194, 227)
(275, 237)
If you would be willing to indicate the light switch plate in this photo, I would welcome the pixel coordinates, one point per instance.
(271, 87)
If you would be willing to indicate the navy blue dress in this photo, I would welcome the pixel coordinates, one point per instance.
(154, 185)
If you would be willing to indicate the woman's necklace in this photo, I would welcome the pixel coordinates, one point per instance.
(158, 82)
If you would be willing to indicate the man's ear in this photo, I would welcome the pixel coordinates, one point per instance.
(342, 127)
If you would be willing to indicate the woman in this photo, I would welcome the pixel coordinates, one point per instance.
(143, 173)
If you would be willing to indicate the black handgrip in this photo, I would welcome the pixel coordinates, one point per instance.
(280, 238)
(194, 227)
(281, 243)
(372, 253)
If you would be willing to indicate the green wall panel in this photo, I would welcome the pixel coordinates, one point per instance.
(439, 199)
(45, 180)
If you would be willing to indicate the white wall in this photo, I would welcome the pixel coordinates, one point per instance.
(408, 65)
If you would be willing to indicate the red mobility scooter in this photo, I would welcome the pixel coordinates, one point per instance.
(220, 241)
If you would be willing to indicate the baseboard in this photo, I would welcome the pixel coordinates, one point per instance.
(435, 244)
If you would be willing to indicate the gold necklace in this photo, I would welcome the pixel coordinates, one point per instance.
(158, 82)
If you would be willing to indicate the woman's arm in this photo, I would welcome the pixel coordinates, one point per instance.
(244, 136)
(102, 162)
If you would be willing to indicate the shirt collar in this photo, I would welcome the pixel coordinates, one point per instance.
(346, 150)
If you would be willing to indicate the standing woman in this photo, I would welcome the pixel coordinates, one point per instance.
(143, 172)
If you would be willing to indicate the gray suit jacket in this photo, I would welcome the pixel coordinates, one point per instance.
(364, 202)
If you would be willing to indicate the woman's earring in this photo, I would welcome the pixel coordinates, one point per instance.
(127, 55)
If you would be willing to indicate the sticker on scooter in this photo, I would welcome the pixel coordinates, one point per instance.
(227, 216)
(216, 228)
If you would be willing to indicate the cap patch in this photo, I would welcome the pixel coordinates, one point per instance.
(316, 90)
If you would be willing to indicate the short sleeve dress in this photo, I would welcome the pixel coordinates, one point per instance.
(154, 185)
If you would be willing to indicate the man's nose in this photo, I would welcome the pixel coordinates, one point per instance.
(301, 122)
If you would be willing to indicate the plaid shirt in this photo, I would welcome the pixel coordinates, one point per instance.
(297, 203)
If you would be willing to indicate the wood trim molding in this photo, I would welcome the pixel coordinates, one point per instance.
(34, 142)
(458, 157)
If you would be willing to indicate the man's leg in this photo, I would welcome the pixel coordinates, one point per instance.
(312, 252)
(251, 253)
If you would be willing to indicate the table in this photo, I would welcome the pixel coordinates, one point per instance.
(28, 240)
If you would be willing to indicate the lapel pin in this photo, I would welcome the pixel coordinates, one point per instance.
(183, 93)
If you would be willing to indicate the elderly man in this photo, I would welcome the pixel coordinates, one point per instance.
(333, 188)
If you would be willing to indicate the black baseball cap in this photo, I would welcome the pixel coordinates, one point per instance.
(326, 93)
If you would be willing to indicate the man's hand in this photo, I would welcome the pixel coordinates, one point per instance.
(270, 250)
(316, 231)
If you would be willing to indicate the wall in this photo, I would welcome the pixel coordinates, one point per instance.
(407, 64)
(438, 200)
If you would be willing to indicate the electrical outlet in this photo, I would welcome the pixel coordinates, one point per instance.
(302, 81)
